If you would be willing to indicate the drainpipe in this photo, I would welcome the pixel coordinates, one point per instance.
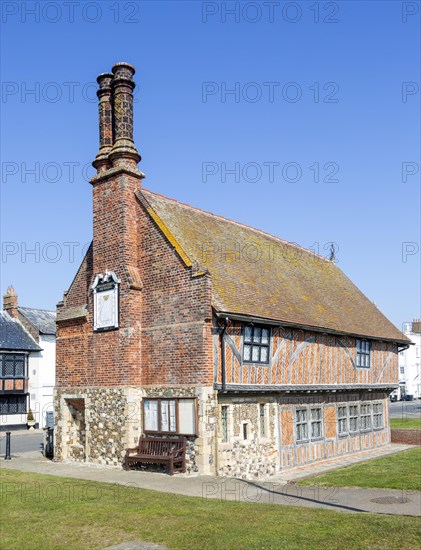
(224, 330)
(278, 424)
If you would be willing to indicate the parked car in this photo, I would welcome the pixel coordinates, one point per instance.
(393, 398)
(409, 397)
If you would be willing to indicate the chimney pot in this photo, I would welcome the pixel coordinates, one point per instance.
(124, 149)
(105, 107)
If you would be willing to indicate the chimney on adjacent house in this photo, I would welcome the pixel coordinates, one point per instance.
(416, 326)
(10, 302)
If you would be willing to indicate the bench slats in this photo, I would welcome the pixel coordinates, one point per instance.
(158, 450)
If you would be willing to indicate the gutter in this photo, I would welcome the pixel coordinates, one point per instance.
(279, 323)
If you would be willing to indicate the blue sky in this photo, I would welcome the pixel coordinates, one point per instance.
(325, 94)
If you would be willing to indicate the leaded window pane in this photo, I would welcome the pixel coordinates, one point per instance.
(247, 353)
(255, 353)
(265, 336)
(257, 334)
(248, 333)
(19, 368)
(264, 355)
(9, 368)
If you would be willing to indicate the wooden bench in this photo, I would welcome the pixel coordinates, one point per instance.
(158, 450)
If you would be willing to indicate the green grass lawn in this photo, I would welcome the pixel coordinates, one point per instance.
(397, 471)
(406, 423)
(48, 512)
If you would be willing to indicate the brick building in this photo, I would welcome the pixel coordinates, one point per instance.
(183, 322)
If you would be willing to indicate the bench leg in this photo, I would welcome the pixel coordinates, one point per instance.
(171, 464)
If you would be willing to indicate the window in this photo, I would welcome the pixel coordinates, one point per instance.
(301, 424)
(224, 423)
(342, 420)
(316, 423)
(13, 404)
(262, 420)
(256, 344)
(245, 431)
(378, 415)
(12, 365)
(402, 370)
(353, 418)
(363, 354)
(365, 416)
(169, 416)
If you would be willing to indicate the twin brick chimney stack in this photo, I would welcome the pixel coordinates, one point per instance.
(115, 95)
(116, 215)
(118, 177)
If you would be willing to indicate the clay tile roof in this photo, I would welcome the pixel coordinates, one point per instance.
(256, 274)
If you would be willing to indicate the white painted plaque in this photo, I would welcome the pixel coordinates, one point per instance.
(106, 304)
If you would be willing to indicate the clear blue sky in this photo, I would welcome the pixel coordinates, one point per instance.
(316, 82)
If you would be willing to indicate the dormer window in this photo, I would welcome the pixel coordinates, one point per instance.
(363, 354)
(256, 344)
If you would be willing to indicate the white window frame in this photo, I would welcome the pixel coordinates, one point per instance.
(317, 421)
(301, 425)
(365, 417)
(353, 416)
(343, 418)
(378, 414)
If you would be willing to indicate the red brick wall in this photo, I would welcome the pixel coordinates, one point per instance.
(409, 437)
(176, 314)
(165, 328)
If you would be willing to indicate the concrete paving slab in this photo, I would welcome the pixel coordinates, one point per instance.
(270, 491)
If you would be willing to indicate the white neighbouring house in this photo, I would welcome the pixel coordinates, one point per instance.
(410, 361)
(27, 362)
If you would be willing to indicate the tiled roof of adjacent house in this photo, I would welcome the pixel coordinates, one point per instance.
(41, 319)
(13, 336)
(258, 275)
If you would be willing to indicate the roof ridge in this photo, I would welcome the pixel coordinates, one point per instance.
(37, 309)
(219, 216)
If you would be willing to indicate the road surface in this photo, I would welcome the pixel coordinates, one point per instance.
(22, 442)
(405, 409)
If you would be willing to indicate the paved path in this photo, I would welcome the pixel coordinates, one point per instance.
(277, 490)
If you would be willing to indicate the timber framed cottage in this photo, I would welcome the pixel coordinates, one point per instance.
(178, 321)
